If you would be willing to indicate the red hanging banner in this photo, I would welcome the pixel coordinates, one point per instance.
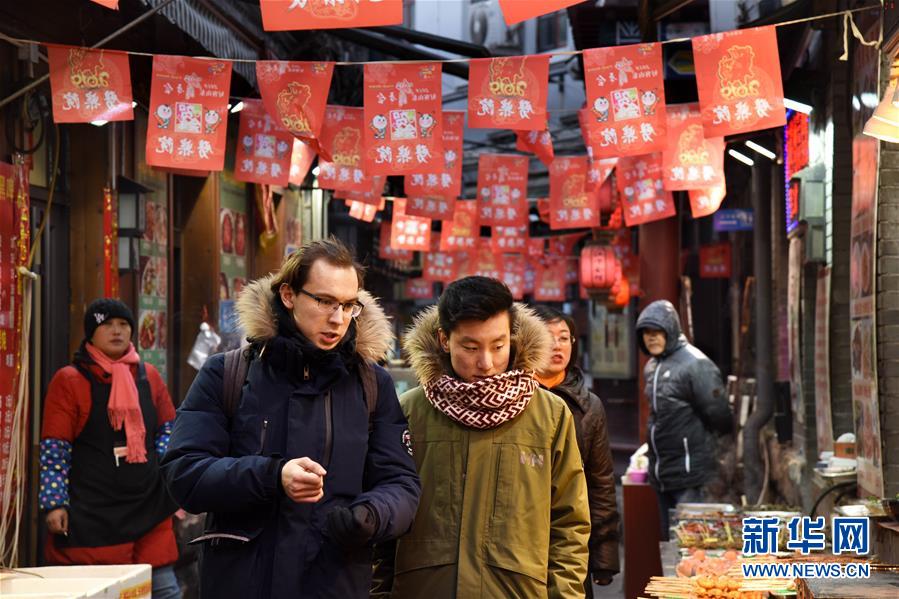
(265, 148)
(296, 15)
(110, 245)
(386, 252)
(512, 274)
(508, 92)
(341, 138)
(509, 240)
(536, 247)
(691, 161)
(570, 205)
(715, 261)
(503, 189)
(640, 187)
(626, 100)
(448, 182)
(462, 232)
(433, 208)
(189, 108)
(739, 81)
(364, 212)
(563, 245)
(372, 196)
(598, 171)
(437, 265)
(112, 4)
(295, 93)
(300, 160)
(539, 143)
(404, 119)
(516, 11)
(10, 307)
(419, 289)
(409, 232)
(549, 285)
(89, 85)
(704, 202)
(484, 263)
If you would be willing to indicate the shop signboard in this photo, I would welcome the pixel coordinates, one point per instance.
(733, 219)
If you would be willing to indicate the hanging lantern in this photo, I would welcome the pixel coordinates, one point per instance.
(884, 123)
(600, 267)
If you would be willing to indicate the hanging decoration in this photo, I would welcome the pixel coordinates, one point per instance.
(512, 274)
(715, 261)
(437, 265)
(264, 148)
(503, 189)
(372, 196)
(739, 81)
(570, 205)
(705, 202)
(386, 252)
(89, 85)
(509, 239)
(691, 161)
(409, 232)
(516, 11)
(536, 247)
(598, 172)
(300, 161)
(599, 267)
(508, 92)
(404, 118)
(484, 263)
(364, 212)
(626, 100)
(341, 139)
(461, 233)
(111, 4)
(448, 182)
(295, 93)
(549, 285)
(296, 15)
(430, 207)
(640, 187)
(539, 143)
(110, 244)
(562, 246)
(420, 288)
(188, 108)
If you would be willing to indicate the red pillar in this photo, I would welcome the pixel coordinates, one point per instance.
(660, 271)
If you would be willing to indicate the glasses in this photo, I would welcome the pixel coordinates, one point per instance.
(329, 306)
(563, 340)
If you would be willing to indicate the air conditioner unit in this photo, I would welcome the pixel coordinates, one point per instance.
(812, 206)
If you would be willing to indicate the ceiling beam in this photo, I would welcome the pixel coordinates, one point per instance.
(438, 42)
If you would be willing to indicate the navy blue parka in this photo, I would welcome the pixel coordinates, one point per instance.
(297, 401)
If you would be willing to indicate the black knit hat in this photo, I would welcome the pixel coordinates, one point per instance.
(102, 310)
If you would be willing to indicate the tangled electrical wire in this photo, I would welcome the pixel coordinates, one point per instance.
(34, 117)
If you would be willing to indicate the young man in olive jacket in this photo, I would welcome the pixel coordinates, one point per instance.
(503, 510)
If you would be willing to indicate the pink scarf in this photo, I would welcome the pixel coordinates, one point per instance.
(484, 403)
(124, 401)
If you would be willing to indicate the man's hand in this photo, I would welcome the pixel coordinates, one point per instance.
(58, 521)
(303, 480)
(352, 528)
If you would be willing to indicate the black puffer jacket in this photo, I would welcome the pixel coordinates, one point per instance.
(688, 405)
(593, 441)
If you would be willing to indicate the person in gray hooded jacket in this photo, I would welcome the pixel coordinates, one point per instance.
(688, 406)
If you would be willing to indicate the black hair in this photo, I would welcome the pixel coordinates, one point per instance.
(473, 298)
(548, 315)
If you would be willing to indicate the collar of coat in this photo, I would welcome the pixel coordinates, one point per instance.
(531, 344)
(374, 335)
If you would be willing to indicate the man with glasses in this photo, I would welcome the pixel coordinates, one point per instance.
(307, 470)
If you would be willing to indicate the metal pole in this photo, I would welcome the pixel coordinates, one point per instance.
(761, 239)
(102, 42)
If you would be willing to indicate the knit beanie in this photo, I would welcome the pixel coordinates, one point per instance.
(102, 310)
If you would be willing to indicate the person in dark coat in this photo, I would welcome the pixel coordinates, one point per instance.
(688, 407)
(564, 377)
(302, 479)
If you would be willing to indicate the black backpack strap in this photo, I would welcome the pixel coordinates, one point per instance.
(369, 388)
(236, 365)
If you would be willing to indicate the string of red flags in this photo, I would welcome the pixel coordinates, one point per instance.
(295, 15)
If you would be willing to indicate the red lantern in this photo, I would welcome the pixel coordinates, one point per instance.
(600, 268)
(621, 294)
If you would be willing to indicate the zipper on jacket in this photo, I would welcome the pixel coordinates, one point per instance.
(262, 436)
(306, 376)
(326, 459)
(652, 438)
(652, 431)
(687, 455)
(655, 384)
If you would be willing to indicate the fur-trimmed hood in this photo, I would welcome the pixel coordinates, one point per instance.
(374, 335)
(531, 344)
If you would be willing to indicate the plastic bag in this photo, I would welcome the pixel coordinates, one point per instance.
(205, 344)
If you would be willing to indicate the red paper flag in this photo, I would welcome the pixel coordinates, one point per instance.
(264, 148)
(300, 160)
(403, 116)
(433, 208)
(626, 99)
(510, 240)
(419, 289)
(550, 282)
(113, 4)
(463, 230)
(539, 143)
(516, 11)
(364, 212)
(563, 245)
(439, 266)
(503, 189)
(508, 93)
(341, 138)
(715, 261)
(739, 81)
(704, 202)
(598, 171)
(386, 252)
(409, 232)
(536, 247)
(372, 196)
(448, 182)
(640, 187)
(512, 275)
(691, 161)
(295, 93)
(570, 205)
(89, 85)
(189, 108)
(295, 15)
(484, 263)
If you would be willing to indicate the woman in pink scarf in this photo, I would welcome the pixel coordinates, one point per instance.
(107, 419)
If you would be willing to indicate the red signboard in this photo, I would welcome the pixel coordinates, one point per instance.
(510, 240)
(433, 208)
(300, 160)
(409, 232)
(404, 118)
(503, 189)
(539, 143)
(265, 147)
(89, 85)
(341, 139)
(189, 113)
(704, 202)
(626, 100)
(570, 205)
(691, 161)
(643, 199)
(294, 15)
(796, 141)
(295, 93)
(715, 261)
(739, 81)
(448, 182)
(508, 92)
(462, 232)
(386, 252)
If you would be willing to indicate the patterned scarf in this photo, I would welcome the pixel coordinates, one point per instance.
(484, 403)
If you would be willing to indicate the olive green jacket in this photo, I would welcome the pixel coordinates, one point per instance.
(503, 512)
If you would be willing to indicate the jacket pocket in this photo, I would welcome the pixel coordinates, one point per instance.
(515, 571)
(440, 503)
(523, 482)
